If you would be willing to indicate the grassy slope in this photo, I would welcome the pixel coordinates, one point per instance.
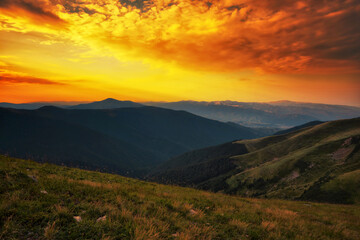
(289, 130)
(300, 166)
(142, 210)
(295, 165)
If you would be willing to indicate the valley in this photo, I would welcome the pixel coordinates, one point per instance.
(318, 163)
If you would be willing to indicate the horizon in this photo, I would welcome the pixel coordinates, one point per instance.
(248, 51)
(69, 102)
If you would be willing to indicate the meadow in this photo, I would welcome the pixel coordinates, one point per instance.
(44, 201)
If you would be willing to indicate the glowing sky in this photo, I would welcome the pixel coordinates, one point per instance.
(166, 50)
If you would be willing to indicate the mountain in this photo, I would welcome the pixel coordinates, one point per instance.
(267, 118)
(21, 105)
(44, 201)
(323, 112)
(35, 105)
(133, 138)
(282, 114)
(318, 163)
(28, 135)
(309, 124)
(106, 104)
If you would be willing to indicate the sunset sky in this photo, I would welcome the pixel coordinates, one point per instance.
(165, 50)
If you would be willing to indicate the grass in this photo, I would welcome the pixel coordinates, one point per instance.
(289, 173)
(288, 166)
(306, 164)
(41, 201)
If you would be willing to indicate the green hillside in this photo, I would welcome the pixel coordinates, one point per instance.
(318, 163)
(43, 201)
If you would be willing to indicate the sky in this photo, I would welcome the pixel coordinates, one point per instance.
(166, 50)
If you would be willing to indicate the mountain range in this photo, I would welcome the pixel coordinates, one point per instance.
(108, 103)
(318, 163)
(121, 140)
(281, 114)
(316, 160)
(270, 116)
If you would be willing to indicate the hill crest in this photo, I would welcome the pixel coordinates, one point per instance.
(294, 165)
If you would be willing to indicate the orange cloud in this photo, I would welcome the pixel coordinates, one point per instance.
(12, 74)
(271, 36)
(14, 79)
(173, 50)
(34, 11)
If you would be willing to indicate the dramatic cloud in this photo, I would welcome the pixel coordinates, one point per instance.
(37, 12)
(25, 79)
(11, 74)
(270, 36)
(302, 50)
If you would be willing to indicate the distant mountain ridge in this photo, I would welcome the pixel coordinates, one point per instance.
(318, 163)
(35, 105)
(266, 116)
(120, 140)
(108, 103)
(103, 104)
(283, 114)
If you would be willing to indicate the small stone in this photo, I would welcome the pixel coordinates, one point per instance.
(44, 191)
(77, 218)
(100, 219)
(33, 178)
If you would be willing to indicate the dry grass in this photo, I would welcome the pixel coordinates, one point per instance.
(50, 230)
(242, 226)
(281, 213)
(139, 210)
(268, 226)
(6, 228)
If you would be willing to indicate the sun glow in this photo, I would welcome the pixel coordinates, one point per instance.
(172, 50)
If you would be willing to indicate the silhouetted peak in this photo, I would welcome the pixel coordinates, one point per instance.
(48, 108)
(110, 100)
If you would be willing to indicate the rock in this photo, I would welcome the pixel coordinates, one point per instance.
(33, 178)
(347, 142)
(44, 191)
(77, 218)
(342, 153)
(100, 219)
